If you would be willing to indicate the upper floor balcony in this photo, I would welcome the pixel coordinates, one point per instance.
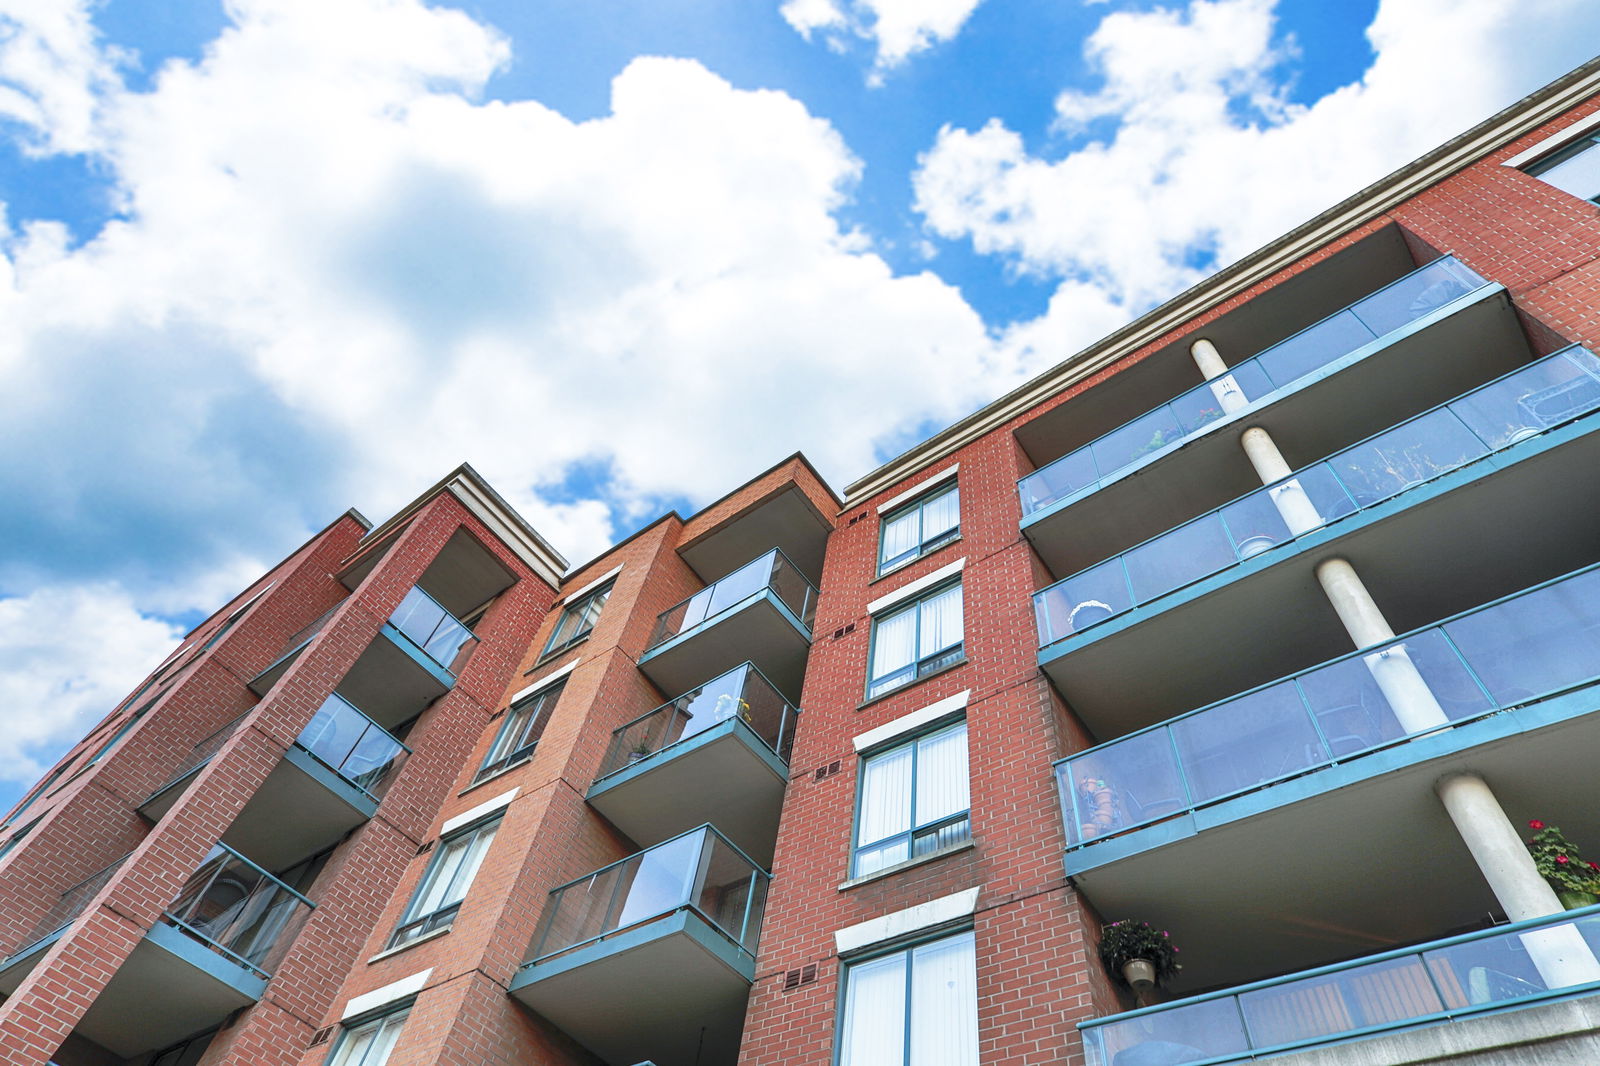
(1461, 501)
(1522, 965)
(213, 952)
(1419, 340)
(23, 956)
(328, 782)
(718, 753)
(760, 613)
(652, 957)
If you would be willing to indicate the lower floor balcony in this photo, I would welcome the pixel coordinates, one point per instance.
(651, 958)
(1444, 981)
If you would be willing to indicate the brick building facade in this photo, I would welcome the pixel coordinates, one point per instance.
(1268, 620)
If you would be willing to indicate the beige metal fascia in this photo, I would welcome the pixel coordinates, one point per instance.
(1454, 155)
(479, 497)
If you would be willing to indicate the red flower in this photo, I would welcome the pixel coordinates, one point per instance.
(1561, 858)
(1536, 824)
(1592, 866)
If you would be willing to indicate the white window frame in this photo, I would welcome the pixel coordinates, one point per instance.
(921, 665)
(934, 1030)
(467, 848)
(385, 1032)
(945, 829)
(922, 543)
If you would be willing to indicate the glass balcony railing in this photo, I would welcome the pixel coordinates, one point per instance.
(1395, 305)
(742, 692)
(354, 746)
(699, 871)
(771, 571)
(66, 908)
(1510, 409)
(296, 643)
(202, 753)
(435, 630)
(239, 910)
(1508, 966)
(1526, 647)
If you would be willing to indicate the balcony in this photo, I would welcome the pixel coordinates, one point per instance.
(262, 683)
(1407, 507)
(330, 781)
(1420, 340)
(1514, 966)
(719, 753)
(671, 934)
(760, 613)
(213, 952)
(1308, 803)
(47, 930)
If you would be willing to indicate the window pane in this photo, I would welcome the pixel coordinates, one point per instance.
(942, 775)
(1578, 174)
(944, 1003)
(940, 515)
(875, 1013)
(941, 622)
(900, 536)
(885, 796)
(894, 643)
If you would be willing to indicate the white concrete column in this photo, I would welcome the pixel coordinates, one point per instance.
(1223, 387)
(1288, 496)
(1560, 953)
(1408, 695)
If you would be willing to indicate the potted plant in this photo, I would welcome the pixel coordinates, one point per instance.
(640, 750)
(1139, 953)
(1577, 883)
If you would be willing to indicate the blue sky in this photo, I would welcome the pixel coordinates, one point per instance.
(266, 260)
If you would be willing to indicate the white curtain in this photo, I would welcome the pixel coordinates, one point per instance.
(941, 622)
(458, 865)
(895, 643)
(944, 1003)
(900, 536)
(942, 775)
(885, 808)
(940, 515)
(875, 1014)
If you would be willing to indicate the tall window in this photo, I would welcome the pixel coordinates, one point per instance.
(369, 1043)
(916, 640)
(577, 619)
(913, 800)
(919, 528)
(520, 732)
(438, 897)
(917, 1007)
(1574, 169)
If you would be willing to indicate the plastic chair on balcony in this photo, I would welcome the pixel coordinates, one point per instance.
(1150, 809)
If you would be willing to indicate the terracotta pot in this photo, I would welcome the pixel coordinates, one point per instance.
(1140, 973)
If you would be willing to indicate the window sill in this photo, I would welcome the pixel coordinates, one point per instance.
(889, 871)
(900, 567)
(913, 684)
(546, 658)
(519, 764)
(409, 944)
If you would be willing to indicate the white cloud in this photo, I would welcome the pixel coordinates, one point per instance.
(53, 76)
(1189, 146)
(897, 29)
(67, 656)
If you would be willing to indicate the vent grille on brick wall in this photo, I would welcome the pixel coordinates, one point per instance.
(321, 1036)
(803, 976)
(842, 630)
(828, 770)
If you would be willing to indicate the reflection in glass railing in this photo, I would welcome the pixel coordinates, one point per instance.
(1526, 647)
(771, 571)
(1506, 411)
(65, 908)
(698, 871)
(435, 630)
(353, 745)
(239, 910)
(743, 693)
(1458, 977)
(1396, 305)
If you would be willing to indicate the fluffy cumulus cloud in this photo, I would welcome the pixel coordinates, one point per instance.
(1189, 154)
(896, 29)
(67, 658)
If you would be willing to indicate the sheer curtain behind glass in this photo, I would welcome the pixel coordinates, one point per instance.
(901, 536)
(875, 1013)
(942, 788)
(940, 515)
(941, 622)
(885, 810)
(369, 1044)
(894, 645)
(944, 1003)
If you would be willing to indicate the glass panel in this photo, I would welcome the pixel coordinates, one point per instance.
(240, 909)
(1178, 557)
(885, 795)
(434, 630)
(940, 622)
(1128, 783)
(1540, 642)
(940, 515)
(901, 538)
(875, 1013)
(944, 1002)
(1141, 437)
(741, 692)
(1315, 1008)
(942, 788)
(1071, 473)
(1075, 604)
(1255, 524)
(347, 741)
(1578, 174)
(1314, 348)
(1417, 294)
(1406, 456)
(1191, 1033)
(1264, 736)
(1533, 399)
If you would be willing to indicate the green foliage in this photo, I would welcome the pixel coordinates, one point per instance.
(1122, 942)
(1558, 861)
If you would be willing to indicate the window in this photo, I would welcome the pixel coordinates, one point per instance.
(917, 1006)
(445, 884)
(577, 619)
(919, 528)
(519, 733)
(369, 1043)
(1574, 169)
(916, 640)
(913, 800)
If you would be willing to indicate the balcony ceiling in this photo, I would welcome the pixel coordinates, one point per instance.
(785, 519)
